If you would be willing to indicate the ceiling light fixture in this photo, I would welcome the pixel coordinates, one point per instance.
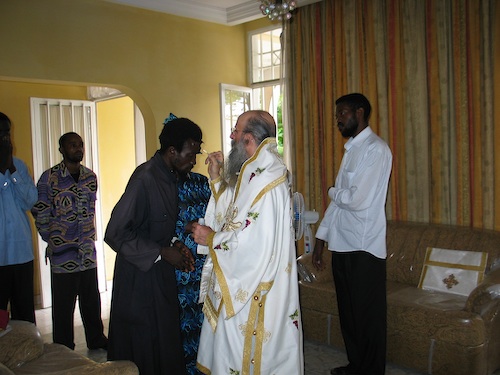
(278, 9)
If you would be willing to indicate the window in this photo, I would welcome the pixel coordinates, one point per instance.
(234, 101)
(265, 75)
(265, 91)
(266, 55)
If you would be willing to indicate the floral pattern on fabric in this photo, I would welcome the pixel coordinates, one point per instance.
(223, 245)
(257, 172)
(241, 295)
(194, 194)
(251, 217)
(294, 318)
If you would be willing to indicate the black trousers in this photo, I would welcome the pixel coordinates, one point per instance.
(360, 282)
(17, 287)
(66, 287)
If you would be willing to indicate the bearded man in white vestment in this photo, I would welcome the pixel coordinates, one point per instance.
(249, 281)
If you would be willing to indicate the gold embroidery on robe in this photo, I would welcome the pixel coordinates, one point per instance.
(255, 332)
(229, 223)
(241, 296)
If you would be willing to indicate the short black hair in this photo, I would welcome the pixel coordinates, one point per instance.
(65, 137)
(177, 131)
(356, 101)
(4, 119)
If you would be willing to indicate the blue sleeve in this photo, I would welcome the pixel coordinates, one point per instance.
(25, 192)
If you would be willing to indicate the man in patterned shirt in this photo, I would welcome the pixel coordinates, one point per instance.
(65, 218)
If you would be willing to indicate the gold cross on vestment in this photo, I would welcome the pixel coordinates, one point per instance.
(229, 223)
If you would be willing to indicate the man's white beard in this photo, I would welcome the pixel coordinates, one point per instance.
(237, 156)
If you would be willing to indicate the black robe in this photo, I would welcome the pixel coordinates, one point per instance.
(144, 320)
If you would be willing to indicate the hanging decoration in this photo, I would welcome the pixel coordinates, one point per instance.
(278, 9)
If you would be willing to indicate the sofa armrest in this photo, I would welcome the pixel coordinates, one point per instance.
(121, 367)
(20, 345)
(309, 274)
(485, 298)
(4, 370)
(59, 359)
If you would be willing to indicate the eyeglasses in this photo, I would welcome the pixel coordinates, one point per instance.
(234, 130)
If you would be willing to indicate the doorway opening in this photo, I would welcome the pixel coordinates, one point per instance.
(112, 129)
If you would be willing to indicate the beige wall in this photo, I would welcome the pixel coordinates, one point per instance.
(164, 63)
(55, 48)
(115, 119)
(15, 103)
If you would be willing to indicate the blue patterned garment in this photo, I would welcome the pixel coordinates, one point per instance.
(169, 118)
(194, 193)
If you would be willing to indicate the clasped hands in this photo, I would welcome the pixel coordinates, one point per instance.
(179, 256)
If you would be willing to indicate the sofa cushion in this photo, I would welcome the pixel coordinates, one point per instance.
(5, 370)
(452, 271)
(444, 314)
(319, 296)
(56, 357)
(60, 360)
(22, 344)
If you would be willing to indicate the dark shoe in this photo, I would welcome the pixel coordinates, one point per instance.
(343, 370)
(102, 345)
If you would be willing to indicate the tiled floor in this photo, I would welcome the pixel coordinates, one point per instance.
(319, 359)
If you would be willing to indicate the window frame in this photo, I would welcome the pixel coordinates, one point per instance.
(251, 57)
(268, 83)
(228, 120)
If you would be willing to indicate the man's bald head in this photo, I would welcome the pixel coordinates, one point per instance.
(251, 128)
(260, 124)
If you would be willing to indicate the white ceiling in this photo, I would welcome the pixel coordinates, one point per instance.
(226, 12)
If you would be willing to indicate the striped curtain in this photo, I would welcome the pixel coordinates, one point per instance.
(428, 69)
